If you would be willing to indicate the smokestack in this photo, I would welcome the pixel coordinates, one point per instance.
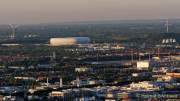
(159, 52)
(149, 56)
(132, 55)
(167, 26)
(54, 55)
(77, 81)
(60, 83)
(47, 82)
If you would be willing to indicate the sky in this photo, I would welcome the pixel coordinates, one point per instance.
(53, 11)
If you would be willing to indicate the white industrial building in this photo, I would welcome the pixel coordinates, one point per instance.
(142, 65)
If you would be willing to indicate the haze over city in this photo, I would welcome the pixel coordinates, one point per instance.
(89, 50)
(50, 11)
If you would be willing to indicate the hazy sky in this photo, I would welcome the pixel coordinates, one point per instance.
(43, 11)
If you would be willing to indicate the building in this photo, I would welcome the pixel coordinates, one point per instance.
(81, 69)
(56, 94)
(142, 65)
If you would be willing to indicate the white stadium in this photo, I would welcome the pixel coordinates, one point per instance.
(69, 41)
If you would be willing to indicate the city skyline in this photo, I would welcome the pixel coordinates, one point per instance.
(46, 11)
